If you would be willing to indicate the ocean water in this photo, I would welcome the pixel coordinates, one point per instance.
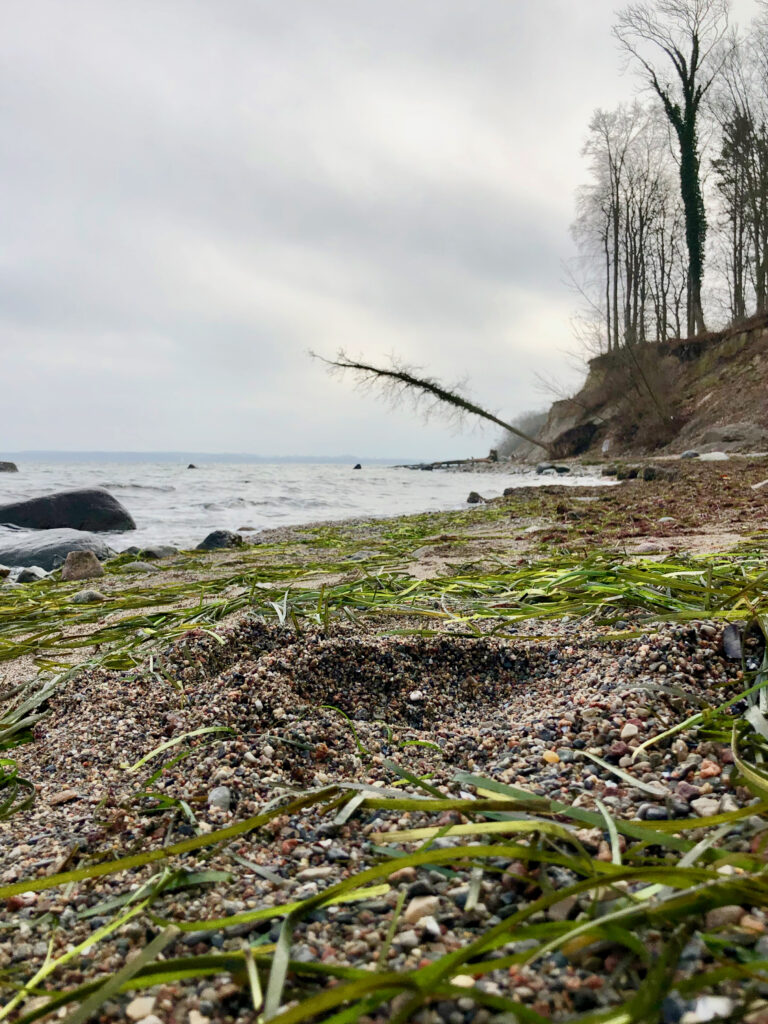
(175, 505)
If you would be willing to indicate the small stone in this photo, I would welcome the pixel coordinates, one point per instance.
(721, 917)
(463, 981)
(88, 597)
(314, 874)
(429, 927)
(709, 769)
(561, 910)
(403, 875)
(63, 797)
(195, 1017)
(140, 1007)
(550, 757)
(421, 906)
(752, 924)
(220, 797)
(81, 565)
(138, 567)
(417, 696)
(706, 806)
(629, 731)
(406, 940)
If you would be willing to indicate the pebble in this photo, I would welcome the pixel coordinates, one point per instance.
(706, 806)
(140, 1007)
(88, 597)
(721, 917)
(406, 940)
(220, 797)
(421, 906)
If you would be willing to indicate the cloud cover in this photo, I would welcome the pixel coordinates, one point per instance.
(196, 193)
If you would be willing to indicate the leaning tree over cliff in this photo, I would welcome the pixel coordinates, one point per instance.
(678, 46)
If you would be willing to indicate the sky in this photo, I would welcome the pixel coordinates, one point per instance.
(195, 193)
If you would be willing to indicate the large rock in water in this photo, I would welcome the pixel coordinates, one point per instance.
(87, 509)
(48, 549)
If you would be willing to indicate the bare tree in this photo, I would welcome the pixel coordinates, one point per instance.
(399, 382)
(628, 231)
(678, 45)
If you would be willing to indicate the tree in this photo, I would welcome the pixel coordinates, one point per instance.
(688, 36)
(398, 382)
(628, 231)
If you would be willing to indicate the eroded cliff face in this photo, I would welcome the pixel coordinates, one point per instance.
(709, 392)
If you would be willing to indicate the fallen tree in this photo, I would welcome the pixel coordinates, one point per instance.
(399, 382)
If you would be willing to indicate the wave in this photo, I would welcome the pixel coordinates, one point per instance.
(164, 488)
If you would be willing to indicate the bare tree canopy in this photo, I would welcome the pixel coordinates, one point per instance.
(678, 46)
(398, 382)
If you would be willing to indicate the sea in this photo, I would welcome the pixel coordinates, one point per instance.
(172, 504)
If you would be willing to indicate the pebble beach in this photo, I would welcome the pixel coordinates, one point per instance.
(284, 757)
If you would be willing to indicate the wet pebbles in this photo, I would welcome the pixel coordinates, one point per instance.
(554, 717)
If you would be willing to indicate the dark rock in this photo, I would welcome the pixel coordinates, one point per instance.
(88, 509)
(357, 466)
(650, 472)
(610, 470)
(474, 498)
(48, 548)
(156, 552)
(31, 574)
(584, 999)
(191, 466)
(508, 491)
(81, 565)
(220, 539)
(8, 467)
(574, 441)
(545, 467)
(652, 812)
(732, 642)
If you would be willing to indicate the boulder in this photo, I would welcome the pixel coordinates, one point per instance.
(157, 551)
(474, 498)
(88, 509)
(48, 548)
(8, 467)
(736, 433)
(357, 466)
(220, 539)
(31, 574)
(81, 565)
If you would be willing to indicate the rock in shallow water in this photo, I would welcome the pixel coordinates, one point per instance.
(48, 548)
(87, 509)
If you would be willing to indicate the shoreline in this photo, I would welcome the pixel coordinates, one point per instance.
(434, 644)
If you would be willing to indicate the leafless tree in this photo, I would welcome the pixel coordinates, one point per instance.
(678, 46)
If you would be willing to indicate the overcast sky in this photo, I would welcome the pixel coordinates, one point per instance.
(196, 192)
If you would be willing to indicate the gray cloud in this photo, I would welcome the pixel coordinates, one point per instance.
(196, 193)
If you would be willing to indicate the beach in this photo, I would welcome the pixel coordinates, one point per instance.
(402, 758)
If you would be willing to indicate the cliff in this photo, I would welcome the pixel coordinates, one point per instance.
(709, 392)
